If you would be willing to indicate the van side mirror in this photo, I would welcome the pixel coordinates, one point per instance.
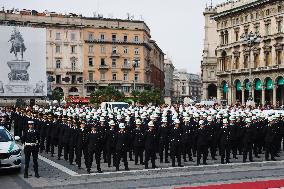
(17, 138)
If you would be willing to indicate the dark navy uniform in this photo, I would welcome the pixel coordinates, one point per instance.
(150, 147)
(31, 140)
(138, 144)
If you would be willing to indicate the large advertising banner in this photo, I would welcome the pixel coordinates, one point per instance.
(22, 62)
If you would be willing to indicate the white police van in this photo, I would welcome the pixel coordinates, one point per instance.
(112, 105)
(10, 153)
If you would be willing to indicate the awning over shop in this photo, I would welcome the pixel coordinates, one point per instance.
(225, 87)
(238, 86)
(258, 85)
(269, 84)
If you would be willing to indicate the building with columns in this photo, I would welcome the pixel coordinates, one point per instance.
(209, 60)
(256, 68)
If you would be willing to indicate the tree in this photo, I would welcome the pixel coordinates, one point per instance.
(107, 94)
(135, 96)
(57, 95)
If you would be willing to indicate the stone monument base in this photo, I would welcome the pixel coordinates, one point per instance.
(18, 89)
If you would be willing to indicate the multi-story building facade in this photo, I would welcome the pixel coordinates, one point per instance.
(257, 68)
(64, 62)
(157, 67)
(186, 85)
(209, 60)
(87, 53)
(169, 77)
(118, 56)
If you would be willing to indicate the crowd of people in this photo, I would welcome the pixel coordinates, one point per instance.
(149, 133)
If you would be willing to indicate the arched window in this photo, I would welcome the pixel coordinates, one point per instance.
(226, 37)
(73, 65)
(222, 38)
(58, 64)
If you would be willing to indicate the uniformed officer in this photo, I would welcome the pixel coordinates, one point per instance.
(248, 140)
(150, 145)
(270, 132)
(30, 140)
(110, 143)
(121, 146)
(82, 144)
(138, 142)
(94, 147)
(163, 139)
(202, 143)
(225, 142)
(176, 143)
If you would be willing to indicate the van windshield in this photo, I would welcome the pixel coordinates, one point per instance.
(120, 106)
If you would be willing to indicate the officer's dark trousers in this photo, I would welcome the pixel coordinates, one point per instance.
(121, 154)
(234, 145)
(225, 152)
(47, 148)
(163, 146)
(66, 151)
(186, 150)
(138, 151)
(31, 150)
(247, 150)
(60, 147)
(269, 150)
(150, 154)
(71, 153)
(81, 150)
(111, 152)
(213, 148)
(53, 143)
(175, 153)
(42, 140)
(202, 150)
(97, 157)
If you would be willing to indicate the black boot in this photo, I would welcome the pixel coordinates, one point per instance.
(37, 175)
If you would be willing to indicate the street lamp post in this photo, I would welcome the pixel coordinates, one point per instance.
(250, 39)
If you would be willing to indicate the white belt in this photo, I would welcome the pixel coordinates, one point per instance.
(30, 144)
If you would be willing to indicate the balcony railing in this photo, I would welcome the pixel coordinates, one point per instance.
(126, 67)
(103, 66)
(115, 54)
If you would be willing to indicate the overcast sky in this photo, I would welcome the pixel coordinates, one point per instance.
(176, 25)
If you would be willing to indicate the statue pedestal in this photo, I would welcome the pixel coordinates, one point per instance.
(18, 89)
(18, 79)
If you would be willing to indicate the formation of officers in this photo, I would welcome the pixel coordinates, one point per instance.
(149, 134)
